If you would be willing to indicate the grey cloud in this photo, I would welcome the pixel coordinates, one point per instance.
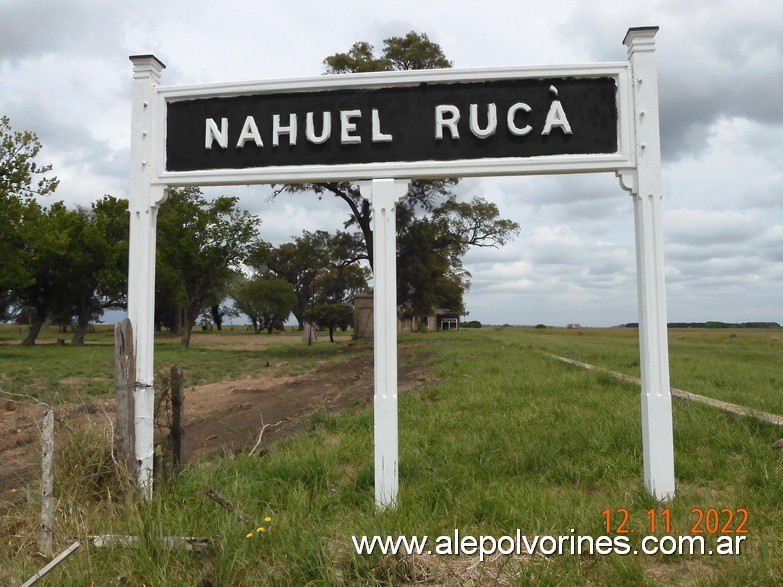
(708, 227)
(725, 62)
(689, 253)
(30, 29)
(770, 246)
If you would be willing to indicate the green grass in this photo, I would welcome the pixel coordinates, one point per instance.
(739, 366)
(57, 374)
(506, 438)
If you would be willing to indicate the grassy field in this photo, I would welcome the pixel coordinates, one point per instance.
(56, 374)
(507, 438)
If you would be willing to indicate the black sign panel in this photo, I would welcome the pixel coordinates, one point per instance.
(425, 122)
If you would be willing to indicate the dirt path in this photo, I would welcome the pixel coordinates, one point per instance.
(224, 416)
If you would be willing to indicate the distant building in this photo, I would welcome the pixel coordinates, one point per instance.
(441, 319)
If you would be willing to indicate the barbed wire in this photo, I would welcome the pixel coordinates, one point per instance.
(34, 400)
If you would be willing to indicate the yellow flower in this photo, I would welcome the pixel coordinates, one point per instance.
(260, 529)
(250, 535)
(267, 519)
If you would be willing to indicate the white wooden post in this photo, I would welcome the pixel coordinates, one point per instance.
(143, 202)
(646, 188)
(383, 195)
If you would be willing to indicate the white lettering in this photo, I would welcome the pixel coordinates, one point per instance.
(468, 545)
(556, 118)
(727, 545)
(492, 121)
(326, 128)
(512, 126)
(377, 135)
(443, 545)
(446, 115)
(346, 127)
(289, 130)
(213, 133)
(249, 131)
(547, 549)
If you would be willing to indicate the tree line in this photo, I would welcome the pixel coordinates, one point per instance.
(67, 266)
(713, 324)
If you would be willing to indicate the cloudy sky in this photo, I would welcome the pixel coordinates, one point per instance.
(65, 75)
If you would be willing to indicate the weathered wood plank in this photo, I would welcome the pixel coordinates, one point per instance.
(47, 485)
(125, 375)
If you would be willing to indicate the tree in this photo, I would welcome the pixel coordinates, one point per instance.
(21, 179)
(97, 263)
(76, 262)
(430, 273)
(46, 234)
(413, 51)
(473, 224)
(331, 316)
(297, 263)
(311, 257)
(18, 169)
(266, 301)
(331, 290)
(110, 217)
(434, 229)
(219, 311)
(339, 283)
(201, 246)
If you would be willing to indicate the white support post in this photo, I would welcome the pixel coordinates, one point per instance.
(383, 195)
(646, 187)
(143, 202)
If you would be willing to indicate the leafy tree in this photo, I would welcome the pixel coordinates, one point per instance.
(331, 316)
(267, 301)
(297, 263)
(76, 261)
(18, 169)
(338, 284)
(21, 179)
(427, 277)
(313, 263)
(219, 311)
(413, 51)
(96, 266)
(201, 245)
(430, 273)
(434, 229)
(473, 224)
(47, 237)
(332, 289)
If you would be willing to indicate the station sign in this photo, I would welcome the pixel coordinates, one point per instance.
(435, 123)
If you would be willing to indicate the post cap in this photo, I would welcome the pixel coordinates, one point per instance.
(639, 32)
(149, 58)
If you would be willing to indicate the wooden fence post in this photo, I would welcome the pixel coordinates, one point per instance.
(177, 415)
(47, 483)
(125, 375)
(309, 333)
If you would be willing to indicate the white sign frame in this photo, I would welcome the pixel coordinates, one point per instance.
(622, 159)
(637, 163)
